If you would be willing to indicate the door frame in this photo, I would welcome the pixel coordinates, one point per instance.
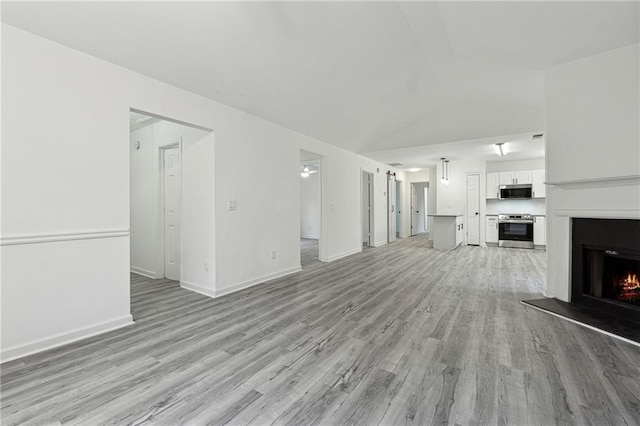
(466, 207)
(371, 240)
(412, 191)
(159, 210)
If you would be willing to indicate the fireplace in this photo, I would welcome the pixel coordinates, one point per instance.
(605, 263)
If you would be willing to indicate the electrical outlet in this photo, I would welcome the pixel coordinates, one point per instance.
(274, 254)
(233, 205)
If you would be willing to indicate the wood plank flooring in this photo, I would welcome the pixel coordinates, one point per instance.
(400, 334)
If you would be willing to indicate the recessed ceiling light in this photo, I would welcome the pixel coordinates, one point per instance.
(414, 169)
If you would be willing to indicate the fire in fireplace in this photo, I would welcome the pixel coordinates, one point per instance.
(627, 288)
(618, 277)
(606, 261)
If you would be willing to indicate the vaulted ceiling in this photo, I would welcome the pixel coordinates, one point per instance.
(366, 76)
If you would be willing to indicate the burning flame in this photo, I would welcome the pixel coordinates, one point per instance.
(630, 287)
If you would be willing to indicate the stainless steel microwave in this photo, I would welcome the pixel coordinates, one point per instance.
(515, 192)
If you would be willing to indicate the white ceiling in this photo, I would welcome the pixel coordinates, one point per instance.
(517, 147)
(366, 76)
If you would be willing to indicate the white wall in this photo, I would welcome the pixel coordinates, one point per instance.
(310, 206)
(143, 220)
(593, 120)
(534, 206)
(147, 254)
(69, 175)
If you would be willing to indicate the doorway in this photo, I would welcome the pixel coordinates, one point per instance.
(419, 207)
(391, 207)
(310, 174)
(171, 201)
(398, 208)
(473, 209)
(367, 209)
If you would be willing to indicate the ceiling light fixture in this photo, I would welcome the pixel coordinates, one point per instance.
(415, 169)
(499, 149)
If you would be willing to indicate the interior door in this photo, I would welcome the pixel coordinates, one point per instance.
(391, 206)
(415, 211)
(172, 198)
(366, 208)
(473, 209)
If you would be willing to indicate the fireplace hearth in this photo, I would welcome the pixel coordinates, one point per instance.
(605, 275)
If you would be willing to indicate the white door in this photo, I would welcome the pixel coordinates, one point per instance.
(366, 207)
(473, 209)
(415, 210)
(172, 197)
(391, 206)
(398, 208)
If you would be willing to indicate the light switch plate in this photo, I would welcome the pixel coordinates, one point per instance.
(233, 205)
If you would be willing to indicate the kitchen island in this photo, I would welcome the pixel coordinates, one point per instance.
(448, 231)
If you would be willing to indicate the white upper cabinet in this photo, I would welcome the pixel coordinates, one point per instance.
(493, 186)
(523, 177)
(537, 184)
(507, 178)
(515, 178)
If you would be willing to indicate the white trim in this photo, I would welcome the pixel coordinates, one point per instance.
(599, 330)
(198, 288)
(310, 237)
(597, 182)
(66, 236)
(65, 338)
(144, 272)
(345, 254)
(599, 213)
(256, 281)
(381, 243)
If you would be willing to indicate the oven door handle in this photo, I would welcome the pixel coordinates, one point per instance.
(517, 221)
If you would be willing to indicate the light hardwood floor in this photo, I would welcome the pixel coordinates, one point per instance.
(401, 334)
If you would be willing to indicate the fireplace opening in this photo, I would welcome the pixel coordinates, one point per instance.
(612, 275)
(605, 263)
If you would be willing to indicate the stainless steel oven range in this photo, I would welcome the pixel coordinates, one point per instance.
(515, 230)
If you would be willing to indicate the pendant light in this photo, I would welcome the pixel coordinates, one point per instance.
(445, 171)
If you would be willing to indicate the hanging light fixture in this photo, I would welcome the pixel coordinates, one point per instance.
(305, 172)
(446, 164)
(445, 171)
(499, 149)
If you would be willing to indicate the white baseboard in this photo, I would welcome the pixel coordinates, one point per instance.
(144, 272)
(67, 337)
(198, 288)
(256, 281)
(341, 255)
(310, 237)
(381, 243)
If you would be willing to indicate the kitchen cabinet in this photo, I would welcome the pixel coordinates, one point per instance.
(515, 178)
(491, 234)
(539, 231)
(537, 184)
(459, 230)
(493, 186)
